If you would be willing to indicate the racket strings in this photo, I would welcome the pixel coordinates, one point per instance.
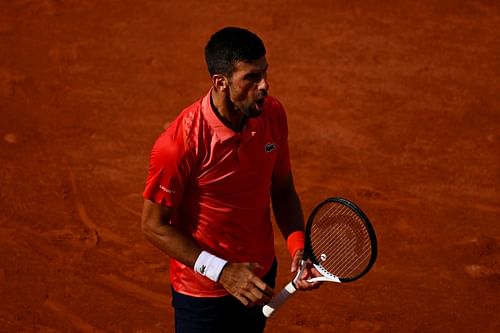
(339, 222)
(330, 228)
(340, 241)
(346, 261)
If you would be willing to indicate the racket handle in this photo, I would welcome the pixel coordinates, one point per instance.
(278, 300)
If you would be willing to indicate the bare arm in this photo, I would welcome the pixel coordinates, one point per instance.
(237, 278)
(289, 217)
(286, 205)
(172, 241)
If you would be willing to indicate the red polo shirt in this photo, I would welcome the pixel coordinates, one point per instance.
(219, 183)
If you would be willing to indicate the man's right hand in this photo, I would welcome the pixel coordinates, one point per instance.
(241, 282)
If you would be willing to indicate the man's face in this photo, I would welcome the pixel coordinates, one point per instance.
(248, 86)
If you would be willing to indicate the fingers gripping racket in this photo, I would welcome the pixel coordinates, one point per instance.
(340, 243)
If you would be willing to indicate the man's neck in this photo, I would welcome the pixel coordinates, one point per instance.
(232, 118)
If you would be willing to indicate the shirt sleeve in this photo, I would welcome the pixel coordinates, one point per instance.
(168, 170)
(282, 166)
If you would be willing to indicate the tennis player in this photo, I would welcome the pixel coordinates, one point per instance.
(211, 179)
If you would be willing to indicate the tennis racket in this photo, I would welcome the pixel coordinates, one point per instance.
(340, 243)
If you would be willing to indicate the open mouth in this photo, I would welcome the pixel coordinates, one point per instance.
(260, 104)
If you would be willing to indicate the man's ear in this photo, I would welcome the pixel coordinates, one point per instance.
(220, 82)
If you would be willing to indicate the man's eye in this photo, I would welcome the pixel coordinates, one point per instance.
(254, 77)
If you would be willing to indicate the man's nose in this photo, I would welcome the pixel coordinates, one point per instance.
(263, 84)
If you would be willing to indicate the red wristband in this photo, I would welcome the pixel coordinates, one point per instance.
(295, 242)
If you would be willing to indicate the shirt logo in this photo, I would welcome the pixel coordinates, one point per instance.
(269, 147)
(167, 189)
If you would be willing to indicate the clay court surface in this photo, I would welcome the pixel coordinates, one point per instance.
(392, 104)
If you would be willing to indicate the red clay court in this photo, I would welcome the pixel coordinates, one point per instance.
(392, 104)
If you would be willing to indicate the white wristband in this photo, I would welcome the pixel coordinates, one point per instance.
(209, 265)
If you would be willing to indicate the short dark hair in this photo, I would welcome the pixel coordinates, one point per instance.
(230, 45)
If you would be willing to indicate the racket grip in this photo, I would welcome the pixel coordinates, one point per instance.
(278, 300)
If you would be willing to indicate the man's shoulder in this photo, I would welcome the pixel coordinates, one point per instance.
(187, 126)
(186, 119)
(191, 111)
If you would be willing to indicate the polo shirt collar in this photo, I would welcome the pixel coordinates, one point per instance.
(221, 130)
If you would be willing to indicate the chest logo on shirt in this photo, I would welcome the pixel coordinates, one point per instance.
(269, 147)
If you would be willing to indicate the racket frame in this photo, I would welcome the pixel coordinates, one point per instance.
(308, 254)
